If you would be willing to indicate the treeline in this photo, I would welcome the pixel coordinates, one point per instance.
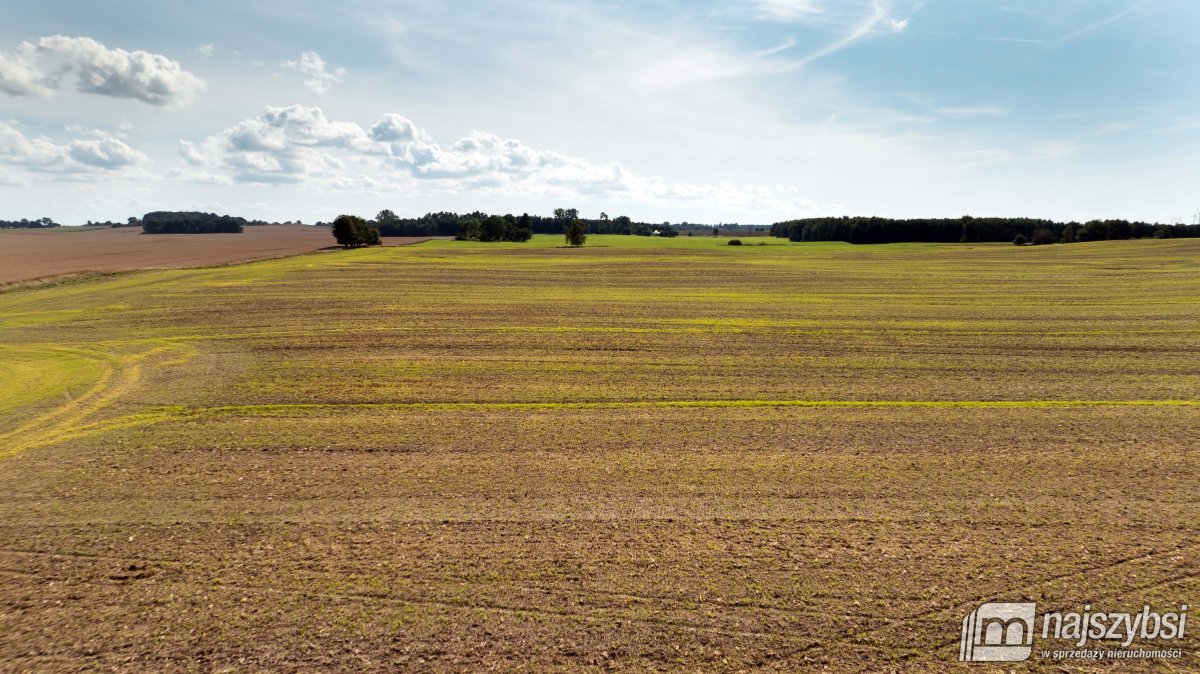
(190, 222)
(28, 224)
(480, 226)
(968, 229)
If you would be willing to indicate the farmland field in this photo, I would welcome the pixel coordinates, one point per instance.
(638, 455)
(27, 254)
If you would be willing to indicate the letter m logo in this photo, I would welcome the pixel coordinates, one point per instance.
(998, 632)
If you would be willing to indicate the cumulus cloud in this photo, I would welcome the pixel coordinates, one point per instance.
(320, 79)
(105, 154)
(279, 146)
(20, 75)
(36, 69)
(299, 144)
(151, 78)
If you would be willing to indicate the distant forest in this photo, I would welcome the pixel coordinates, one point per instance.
(190, 222)
(479, 226)
(968, 229)
(28, 224)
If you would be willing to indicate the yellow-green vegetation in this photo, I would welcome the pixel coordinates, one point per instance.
(639, 454)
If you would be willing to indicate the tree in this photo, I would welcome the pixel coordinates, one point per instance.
(470, 229)
(352, 231)
(1020, 240)
(575, 233)
(189, 222)
(1042, 237)
(604, 216)
(387, 218)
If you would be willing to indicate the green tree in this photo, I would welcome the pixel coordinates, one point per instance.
(576, 236)
(387, 218)
(1042, 237)
(470, 229)
(351, 231)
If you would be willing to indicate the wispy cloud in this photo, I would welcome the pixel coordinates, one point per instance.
(782, 46)
(788, 10)
(972, 111)
(878, 17)
(1074, 35)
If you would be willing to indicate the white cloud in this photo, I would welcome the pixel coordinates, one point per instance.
(972, 111)
(151, 78)
(20, 75)
(299, 144)
(863, 29)
(1092, 27)
(206, 49)
(788, 10)
(320, 79)
(278, 146)
(104, 154)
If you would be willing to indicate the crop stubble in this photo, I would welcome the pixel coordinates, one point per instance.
(672, 455)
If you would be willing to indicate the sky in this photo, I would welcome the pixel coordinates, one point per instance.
(749, 111)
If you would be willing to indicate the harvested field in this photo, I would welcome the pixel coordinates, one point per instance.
(664, 455)
(41, 253)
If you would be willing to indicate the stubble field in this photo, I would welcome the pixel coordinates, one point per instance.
(30, 255)
(638, 455)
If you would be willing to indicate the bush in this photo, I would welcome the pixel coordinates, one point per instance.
(1020, 240)
(734, 242)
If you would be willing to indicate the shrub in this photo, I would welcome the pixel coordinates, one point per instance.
(1020, 240)
(734, 242)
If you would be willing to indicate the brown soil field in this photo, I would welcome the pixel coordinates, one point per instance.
(669, 456)
(41, 253)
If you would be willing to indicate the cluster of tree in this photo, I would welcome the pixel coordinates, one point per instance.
(352, 231)
(495, 228)
(445, 223)
(564, 218)
(190, 222)
(968, 229)
(28, 224)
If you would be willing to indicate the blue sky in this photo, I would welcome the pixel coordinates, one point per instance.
(747, 111)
